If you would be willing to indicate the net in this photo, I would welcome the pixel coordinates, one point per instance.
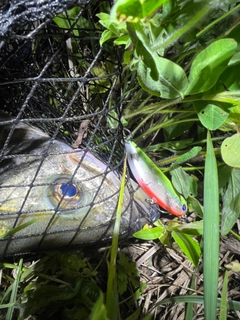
(60, 129)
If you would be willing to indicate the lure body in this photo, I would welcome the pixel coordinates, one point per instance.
(153, 181)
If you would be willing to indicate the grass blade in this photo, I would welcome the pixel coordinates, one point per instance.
(185, 28)
(231, 304)
(223, 307)
(13, 297)
(112, 295)
(189, 306)
(210, 233)
(19, 228)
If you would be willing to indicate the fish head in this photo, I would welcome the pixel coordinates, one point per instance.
(70, 196)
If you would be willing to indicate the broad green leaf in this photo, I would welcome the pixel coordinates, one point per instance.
(127, 57)
(113, 29)
(230, 78)
(188, 155)
(157, 223)
(172, 80)
(158, 76)
(165, 235)
(112, 24)
(175, 129)
(224, 174)
(89, 293)
(118, 29)
(135, 10)
(137, 314)
(210, 115)
(195, 206)
(65, 21)
(192, 228)
(61, 21)
(183, 183)
(188, 245)
(235, 60)
(127, 273)
(104, 19)
(165, 238)
(210, 233)
(123, 40)
(235, 34)
(82, 23)
(143, 52)
(149, 234)
(209, 64)
(105, 36)
(230, 150)
(188, 17)
(112, 119)
(231, 202)
(99, 311)
(49, 294)
(234, 115)
(143, 48)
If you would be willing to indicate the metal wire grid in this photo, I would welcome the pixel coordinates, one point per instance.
(49, 78)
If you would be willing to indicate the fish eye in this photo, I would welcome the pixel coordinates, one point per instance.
(68, 190)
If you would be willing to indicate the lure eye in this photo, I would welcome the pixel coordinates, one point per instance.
(68, 190)
(184, 208)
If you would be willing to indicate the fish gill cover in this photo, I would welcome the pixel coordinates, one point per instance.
(60, 131)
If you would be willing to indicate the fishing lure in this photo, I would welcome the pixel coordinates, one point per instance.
(153, 181)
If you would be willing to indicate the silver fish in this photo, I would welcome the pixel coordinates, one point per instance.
(72, 194)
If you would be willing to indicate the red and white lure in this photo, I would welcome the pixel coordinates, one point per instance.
(153, 181)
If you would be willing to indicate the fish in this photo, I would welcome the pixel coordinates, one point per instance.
(55, 196)
(153, 181)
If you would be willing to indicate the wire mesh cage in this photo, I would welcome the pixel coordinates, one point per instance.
(60, 132)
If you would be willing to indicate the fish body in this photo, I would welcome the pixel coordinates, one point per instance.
(71, 193)
(153, 181)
